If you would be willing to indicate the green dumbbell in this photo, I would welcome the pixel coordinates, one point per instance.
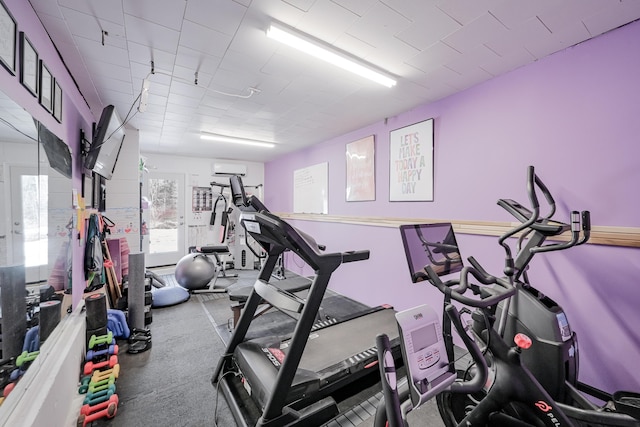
(26, 357)
(100, 340)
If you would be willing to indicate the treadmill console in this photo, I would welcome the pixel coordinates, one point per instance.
(428, 367)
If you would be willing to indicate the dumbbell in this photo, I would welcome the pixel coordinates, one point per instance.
(8, 389)
(89, 414)
(93, 399)
(93, 354)
(89, 367)
(101, 340)
(99, 378)
(26, 357)
(101, 385)
(106, 373)
(88, 386)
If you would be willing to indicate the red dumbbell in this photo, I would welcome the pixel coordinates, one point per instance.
(89, 367)
(89, 414)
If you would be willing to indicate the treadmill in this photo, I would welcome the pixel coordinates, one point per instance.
(292, 380)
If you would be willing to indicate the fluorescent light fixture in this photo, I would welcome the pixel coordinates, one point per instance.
(233, 140)
(315, 48)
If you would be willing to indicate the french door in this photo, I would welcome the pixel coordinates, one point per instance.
(165, 219)
(29, 222)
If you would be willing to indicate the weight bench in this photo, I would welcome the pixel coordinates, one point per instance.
(239, 293)
(221, 266)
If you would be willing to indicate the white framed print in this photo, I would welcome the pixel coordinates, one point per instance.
(411, 163)
(8, 36)
(361, 174)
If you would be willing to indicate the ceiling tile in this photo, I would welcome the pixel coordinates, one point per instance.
(511, 14)
(508, 61)
(379, 22)
(87, 26)
(432, 57)
(480, 55)
(91, 49)
(477, 32)
(150, 34)
(422, 36)
(195, 60)
(514, 39)
(359, 7)
(121, 86)
(187, 89)
(612, 17)
(464, 11)
(107, 10)
(167, 13)
(99, 69)
(57, 29)
(188, 75)
(568, 36)
(144, 54)
(303, 5)
(220, 15)
(203, 39)
(314, 22)
(46, 7)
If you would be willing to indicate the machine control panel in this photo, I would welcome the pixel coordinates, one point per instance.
(424, 352)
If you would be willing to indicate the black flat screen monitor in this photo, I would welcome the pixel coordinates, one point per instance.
(106, 144)
(57, 151)
(430, 244)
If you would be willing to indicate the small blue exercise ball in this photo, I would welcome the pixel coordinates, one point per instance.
(195, 271)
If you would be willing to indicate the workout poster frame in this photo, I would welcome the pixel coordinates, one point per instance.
(361, 173)
(8, 39)
(411, 163)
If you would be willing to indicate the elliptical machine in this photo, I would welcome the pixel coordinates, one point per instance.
(535, 382)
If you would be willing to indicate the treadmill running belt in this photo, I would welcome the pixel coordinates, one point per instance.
(334, 353)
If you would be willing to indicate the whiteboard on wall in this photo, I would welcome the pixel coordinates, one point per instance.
(310, 189)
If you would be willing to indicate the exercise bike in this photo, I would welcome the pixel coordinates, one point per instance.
(531, 383)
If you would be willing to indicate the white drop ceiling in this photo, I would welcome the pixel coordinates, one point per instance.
(433, 47)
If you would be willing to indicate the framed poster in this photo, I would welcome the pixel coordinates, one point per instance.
(28, 65)
(360, 158)
(8, 32)
(411, 163)
(46, 88)
(57, 101)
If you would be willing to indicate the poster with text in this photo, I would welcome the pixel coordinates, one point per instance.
(361, 183)
(411, 163)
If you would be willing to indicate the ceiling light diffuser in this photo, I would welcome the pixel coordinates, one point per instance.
(315, 48)
(233, 140)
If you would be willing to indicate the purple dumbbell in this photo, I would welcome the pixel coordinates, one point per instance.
(112, 349)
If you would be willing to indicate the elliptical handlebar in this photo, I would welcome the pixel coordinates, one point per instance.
(533, 221)
(462, 283)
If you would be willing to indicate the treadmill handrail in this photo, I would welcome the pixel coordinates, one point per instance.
(277, 297)
(269, 228)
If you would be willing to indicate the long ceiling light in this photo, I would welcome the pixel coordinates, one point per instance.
(231, 139)
(315, 48)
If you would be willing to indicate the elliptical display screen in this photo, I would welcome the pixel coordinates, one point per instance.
(430, 244)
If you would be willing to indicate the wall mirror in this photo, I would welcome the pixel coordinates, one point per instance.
(36, 222)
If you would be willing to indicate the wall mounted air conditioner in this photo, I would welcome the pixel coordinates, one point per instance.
(227, 169)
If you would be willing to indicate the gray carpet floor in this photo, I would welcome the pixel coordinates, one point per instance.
(170, 385)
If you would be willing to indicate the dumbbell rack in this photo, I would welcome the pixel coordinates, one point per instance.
(98, 383)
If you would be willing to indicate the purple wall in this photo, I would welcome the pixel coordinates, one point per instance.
(574, 115)
(76, 113)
